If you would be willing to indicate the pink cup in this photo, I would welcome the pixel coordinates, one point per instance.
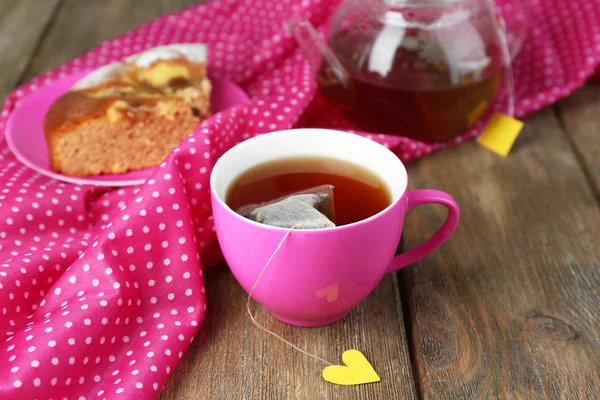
(319, 275)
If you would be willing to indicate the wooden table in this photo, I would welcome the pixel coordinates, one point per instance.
(509, 308)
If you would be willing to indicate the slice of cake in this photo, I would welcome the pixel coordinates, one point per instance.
(129, 115)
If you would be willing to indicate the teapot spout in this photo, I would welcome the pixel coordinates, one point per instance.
(317, 52)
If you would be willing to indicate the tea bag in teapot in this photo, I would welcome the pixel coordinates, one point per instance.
(308, 209)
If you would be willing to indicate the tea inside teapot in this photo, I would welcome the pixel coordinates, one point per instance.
(428, 73)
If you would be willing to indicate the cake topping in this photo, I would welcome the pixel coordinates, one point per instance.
(161, 73)
(154, 67)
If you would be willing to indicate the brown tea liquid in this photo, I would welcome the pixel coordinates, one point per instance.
(416, 99)
(358, 193)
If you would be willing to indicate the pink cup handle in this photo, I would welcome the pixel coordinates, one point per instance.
(417, 198)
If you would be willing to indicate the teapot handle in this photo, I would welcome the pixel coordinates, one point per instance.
(316, 50)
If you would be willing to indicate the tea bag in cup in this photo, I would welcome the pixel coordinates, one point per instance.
(308, 209)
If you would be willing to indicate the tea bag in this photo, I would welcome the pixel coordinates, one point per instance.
(308, 209)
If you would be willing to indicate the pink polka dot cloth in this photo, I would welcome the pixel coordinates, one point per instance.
(101, 291)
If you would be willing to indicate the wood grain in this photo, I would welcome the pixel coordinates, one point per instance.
(22, 22)
(80, 25)
(580, 116)
(168, 6)
(510, 307)
(232, 359)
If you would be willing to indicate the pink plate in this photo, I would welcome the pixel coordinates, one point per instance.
(26, 138)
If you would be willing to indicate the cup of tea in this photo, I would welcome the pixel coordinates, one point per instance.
(318, 275)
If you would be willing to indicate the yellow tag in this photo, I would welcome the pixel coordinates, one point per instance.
(357, 372)
(500, 134)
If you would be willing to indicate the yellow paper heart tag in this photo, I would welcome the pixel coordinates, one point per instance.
(500, 134)
(358, 370)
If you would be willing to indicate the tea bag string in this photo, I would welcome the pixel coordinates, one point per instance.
(256, 323)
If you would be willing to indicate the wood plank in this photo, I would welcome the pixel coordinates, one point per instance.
(510, 307)
(232, 359)
(169, 6)
(580, 116)
(17, 44)
(82, 25)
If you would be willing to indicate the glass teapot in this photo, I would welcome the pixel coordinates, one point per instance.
(426, 69)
